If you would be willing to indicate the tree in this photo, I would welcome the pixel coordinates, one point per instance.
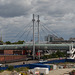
(8, 42)
(54, 55)
(19, 42)
(1, 42)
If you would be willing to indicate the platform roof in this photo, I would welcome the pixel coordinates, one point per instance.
(37, 46)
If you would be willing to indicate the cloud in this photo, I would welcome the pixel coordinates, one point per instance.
(57, 15)
(12, 8)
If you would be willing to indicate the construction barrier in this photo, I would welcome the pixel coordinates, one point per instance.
(41, 64)
(53, 61)
(70, 60)
(31, 66)
(24, 65)
(3, 68)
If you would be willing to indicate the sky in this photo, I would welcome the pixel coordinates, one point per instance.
(57, 15)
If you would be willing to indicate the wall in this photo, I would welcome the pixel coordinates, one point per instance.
(12, 52)
(10, 58)
(6, 52)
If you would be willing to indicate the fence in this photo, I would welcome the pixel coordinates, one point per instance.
(54, 61)
(41, 64)
(31, 66)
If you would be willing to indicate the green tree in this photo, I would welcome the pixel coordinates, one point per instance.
(1, 42)
(8, 42)
(60, 54)
(54, 55)
(19, 42)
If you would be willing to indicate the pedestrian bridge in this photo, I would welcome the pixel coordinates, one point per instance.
(37, 47)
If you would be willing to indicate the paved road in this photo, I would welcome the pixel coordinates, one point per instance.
(23, 62)
(27, 62)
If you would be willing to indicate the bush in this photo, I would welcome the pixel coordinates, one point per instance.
(10, 68)
(73, 71)
(17, 69)
(21, 69)
(1, 71)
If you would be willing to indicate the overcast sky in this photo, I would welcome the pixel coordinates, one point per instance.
(57, 15)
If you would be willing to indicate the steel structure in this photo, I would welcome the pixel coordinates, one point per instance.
(71, 52)
(33, 38)
(37, 47)
(38, 30)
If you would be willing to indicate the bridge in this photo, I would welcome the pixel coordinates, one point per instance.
(37, 47)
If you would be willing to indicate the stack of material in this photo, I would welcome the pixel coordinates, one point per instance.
(42, 70)
(54, 67)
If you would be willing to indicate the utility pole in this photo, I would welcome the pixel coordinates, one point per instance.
(38, 30)
(33, 38)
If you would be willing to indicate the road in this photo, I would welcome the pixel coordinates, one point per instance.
(22, 62)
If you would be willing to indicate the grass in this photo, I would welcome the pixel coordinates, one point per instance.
(21, 69)
(1, 71)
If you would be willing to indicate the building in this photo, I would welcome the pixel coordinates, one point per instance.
(72, 39)
(49, 38)
(53, 38)
(60, 39)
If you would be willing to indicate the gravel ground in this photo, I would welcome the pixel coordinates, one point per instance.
(61, 71)
(5, 73)
(52, 72)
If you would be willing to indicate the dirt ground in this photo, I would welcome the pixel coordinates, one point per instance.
(5, 73)
(61, 71)
(52, 72)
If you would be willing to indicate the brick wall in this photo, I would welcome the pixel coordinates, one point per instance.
(8, 52)
(11, 57)
(1, 58)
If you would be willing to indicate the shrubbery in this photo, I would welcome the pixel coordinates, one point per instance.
(1, 71)
(58, 54)
(21, 69)
(10, 68)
